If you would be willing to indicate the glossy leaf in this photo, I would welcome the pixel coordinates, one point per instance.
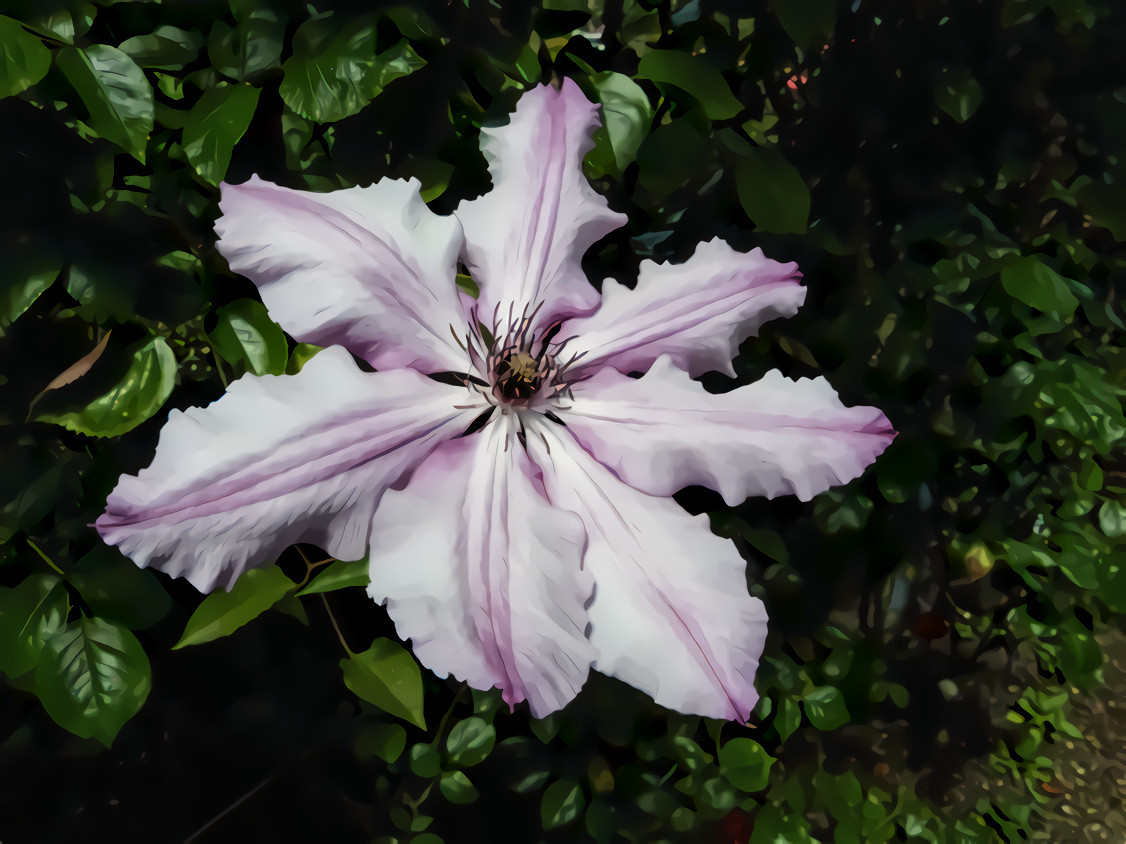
(393, 63)
(825, 708)
(457, 788)
(136, 398)
(215, 124)
(166, 48)
(626, 121)
(114, 91)
(93, 677)
(24, 59)
(562, 803)
(250, 48)
(470, 742)
(387, 676)
(249, 340)
(23, 278)
(30, 614)
(222, 613)
(696, 76)
(745, 765)
(328, 77)
(339, 575)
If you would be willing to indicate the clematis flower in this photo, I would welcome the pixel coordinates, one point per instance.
(517, 517)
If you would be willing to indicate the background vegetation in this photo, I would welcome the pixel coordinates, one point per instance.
(947, 658)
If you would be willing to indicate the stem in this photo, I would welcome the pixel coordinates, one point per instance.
(310, 566)
(336, 626)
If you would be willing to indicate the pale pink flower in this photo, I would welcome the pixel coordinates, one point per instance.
(519, 548)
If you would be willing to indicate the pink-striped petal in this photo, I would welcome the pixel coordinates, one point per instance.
(664, 431)
(525, 238)
(671, 612)
(697, 312)
(483, 575)
(371, 269)
(275, 461)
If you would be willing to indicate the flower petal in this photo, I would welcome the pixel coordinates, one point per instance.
(278, 460)
(525, 238)
(671, 612)
(371, 269)
(664, 431)
(698, 312)
(483, 574)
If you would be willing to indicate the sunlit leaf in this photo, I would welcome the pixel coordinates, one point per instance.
(24, 59)
(745, 764)
(825, 708)
(626, 120)
(249, 340)
(136, 398)
(562, 803)
(214, 125)
(339, 575)
(1036, 284)
(93, 677)
(457, 788)
(222, 613)
(470, 742)
(115, 92)
(166, 48)
(30, 614)
(248, 49)
(328, 77)
(387, 676)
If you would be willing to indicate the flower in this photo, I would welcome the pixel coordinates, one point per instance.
(520, 524)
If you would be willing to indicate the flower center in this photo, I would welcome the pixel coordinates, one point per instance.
(518, 376)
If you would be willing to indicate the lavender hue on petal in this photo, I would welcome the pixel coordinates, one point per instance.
(524, 239)
(671, 612)
(371, 269)
(664, 431)
(697, 312)
(275, 461)
(483, 575)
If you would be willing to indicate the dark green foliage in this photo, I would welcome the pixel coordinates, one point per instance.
(946, 659)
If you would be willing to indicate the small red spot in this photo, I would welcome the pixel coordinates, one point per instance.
(736, 828)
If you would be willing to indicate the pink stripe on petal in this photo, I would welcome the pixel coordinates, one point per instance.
(275, 461)
(697, 312)
(371, 269)
(483, 575)
(664, 431)
(671, 612)
(525, 239)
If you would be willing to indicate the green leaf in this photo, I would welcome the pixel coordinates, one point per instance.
(222, 613)
(114, 91)
(387, 676)
(826, 708)
(24, 59)
(387, 741)
(249, 340)
(772, 192)
(248, 49)
(809, 23)
(328, 77)
(457, 788)
(214, 125)
(94, 676)
(745, 765)
(696, 76)
(626, 120)
(23, 278)
(393, 63)
(1112, 519)
(426, 761)
(563, 801)
(116, 589)
(957, 93)
(136, 398)
(339, 575)
(470, 742)
(787, 719)
(167, 48)
(30, 614)
(302, 353)
(1033, 282)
